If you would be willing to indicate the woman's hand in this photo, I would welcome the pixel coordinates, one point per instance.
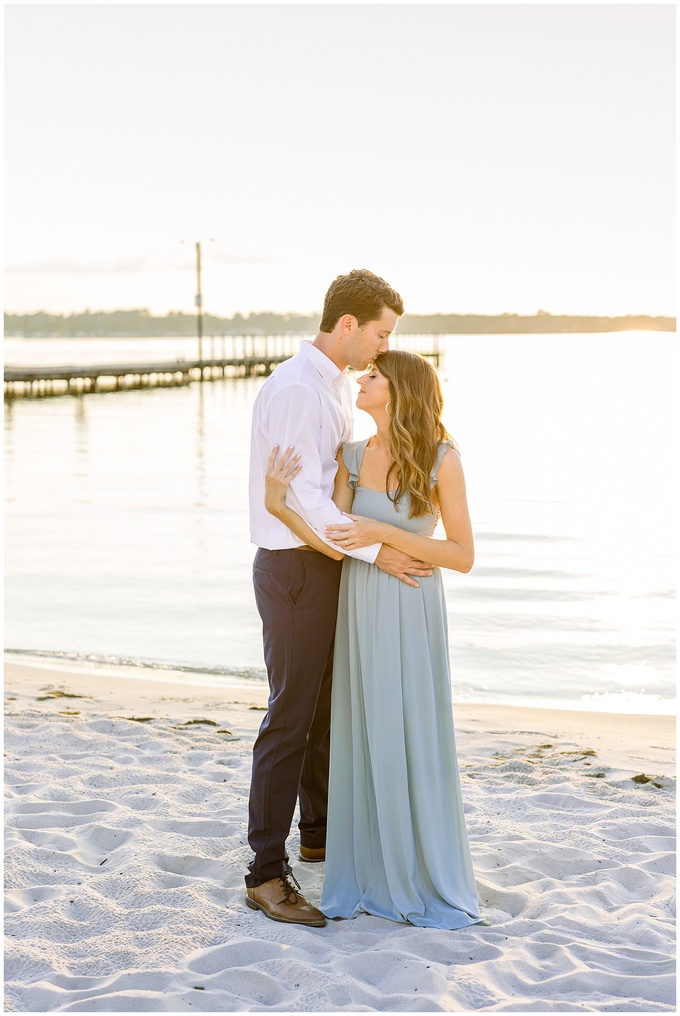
(360, 532)
(278, 477)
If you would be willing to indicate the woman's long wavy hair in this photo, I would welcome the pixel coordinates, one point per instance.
(416, 429)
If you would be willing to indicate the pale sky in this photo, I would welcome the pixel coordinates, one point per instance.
(482, 158)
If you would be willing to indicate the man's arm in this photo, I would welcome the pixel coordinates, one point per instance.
(295, 422)
(277, 479)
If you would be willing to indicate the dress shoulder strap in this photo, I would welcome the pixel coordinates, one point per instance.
(352, 456)
(441, 452)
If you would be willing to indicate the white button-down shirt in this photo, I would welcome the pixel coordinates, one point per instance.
(305, 403)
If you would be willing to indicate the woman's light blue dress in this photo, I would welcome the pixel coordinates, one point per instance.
(396, 845)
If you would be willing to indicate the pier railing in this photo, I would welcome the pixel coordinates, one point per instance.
(230, 356)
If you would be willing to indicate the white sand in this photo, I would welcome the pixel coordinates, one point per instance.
(127, 848)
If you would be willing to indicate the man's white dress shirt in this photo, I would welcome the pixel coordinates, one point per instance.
(307, 404)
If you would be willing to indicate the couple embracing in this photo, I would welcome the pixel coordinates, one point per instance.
(348, 586)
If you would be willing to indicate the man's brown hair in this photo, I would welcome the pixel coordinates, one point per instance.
(361, 294)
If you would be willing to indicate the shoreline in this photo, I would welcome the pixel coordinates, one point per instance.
(127, 846)
(252, 677)
(629, 741)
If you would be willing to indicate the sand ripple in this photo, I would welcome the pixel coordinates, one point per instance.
(126, 847)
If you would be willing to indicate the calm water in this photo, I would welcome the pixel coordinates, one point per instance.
(127, 530)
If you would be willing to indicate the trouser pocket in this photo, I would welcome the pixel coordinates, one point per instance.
(297, 577)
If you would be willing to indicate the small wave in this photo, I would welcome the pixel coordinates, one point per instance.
(621, 701)
(102, 659)
(491, 537)
(636, 702)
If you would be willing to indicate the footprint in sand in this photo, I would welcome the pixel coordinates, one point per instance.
(59, 814)
(189, 866)
(193, 827)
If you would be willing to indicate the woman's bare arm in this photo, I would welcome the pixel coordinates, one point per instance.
(456, 551)
(343, 496)
(277, 479)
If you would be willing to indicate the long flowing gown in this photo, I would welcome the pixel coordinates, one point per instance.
(396, 843)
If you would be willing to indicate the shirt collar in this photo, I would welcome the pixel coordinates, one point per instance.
(326, 368)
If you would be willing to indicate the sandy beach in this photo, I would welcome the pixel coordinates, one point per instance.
(126, 818)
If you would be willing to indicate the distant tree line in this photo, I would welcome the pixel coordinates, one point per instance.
(131, 323)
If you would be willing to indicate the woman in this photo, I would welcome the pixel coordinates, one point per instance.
(396, 844)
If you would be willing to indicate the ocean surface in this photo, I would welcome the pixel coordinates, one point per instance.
(126, 526)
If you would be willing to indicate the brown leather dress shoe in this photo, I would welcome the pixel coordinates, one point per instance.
(313, 854)
(280, 899)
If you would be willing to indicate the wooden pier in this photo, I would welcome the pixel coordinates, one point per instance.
(241, 356)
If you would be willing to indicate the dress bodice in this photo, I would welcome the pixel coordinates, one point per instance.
(377, 504)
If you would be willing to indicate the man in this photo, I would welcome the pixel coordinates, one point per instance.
(307, 404)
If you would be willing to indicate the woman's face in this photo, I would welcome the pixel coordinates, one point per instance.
(374, 391)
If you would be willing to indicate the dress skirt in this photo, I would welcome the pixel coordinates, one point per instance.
(396, 845)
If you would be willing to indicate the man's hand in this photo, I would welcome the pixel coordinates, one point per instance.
(394, 562)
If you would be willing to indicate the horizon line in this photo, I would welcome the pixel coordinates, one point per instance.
(295, 313)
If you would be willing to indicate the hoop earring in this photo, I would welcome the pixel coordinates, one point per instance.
(387, 408)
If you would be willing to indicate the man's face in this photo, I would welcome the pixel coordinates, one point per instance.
(364, 342)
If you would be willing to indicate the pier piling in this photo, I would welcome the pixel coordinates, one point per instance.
(249, 356)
